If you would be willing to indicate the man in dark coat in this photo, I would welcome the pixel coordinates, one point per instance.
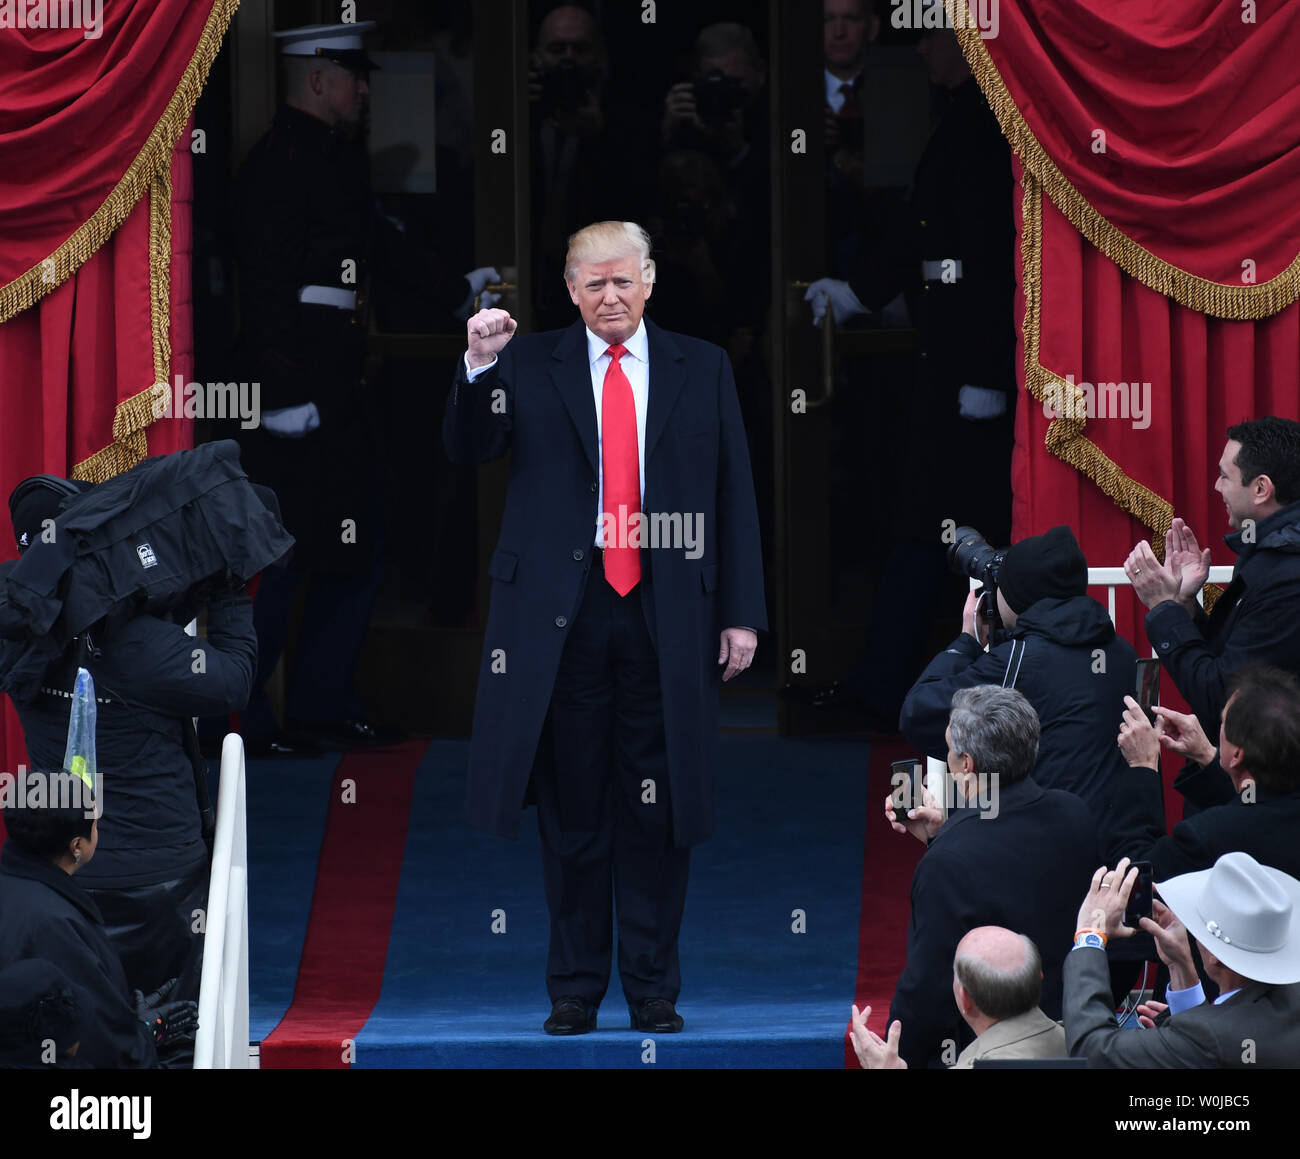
(1020, 859)
(45, 914)
(599, 679)
(1060, 650)
(1254, 621)
(1259, 751)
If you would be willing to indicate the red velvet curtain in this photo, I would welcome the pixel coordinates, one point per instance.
(95, 265)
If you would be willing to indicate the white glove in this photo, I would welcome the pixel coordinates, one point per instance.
(979, 402)
(477, 279)
(480, 277)
(292, 422)
(844, 302)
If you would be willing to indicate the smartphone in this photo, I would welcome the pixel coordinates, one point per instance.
(905, 786)
(1148, 686)
(1139, 901)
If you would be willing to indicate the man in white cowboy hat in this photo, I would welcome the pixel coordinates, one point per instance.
(1246, 919)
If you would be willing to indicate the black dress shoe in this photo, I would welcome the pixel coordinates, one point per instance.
(655, 1014)
(570, 1016)
(350, 734)
(280, 744)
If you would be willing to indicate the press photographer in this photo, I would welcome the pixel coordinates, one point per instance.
(106, 580)
(1051, 641)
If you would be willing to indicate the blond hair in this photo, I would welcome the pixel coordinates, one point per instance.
(604, 241)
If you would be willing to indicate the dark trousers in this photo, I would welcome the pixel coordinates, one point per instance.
(606, 835)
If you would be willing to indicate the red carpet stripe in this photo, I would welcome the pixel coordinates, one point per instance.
(342, 967)
(888, 862)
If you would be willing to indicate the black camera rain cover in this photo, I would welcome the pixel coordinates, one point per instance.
(166, 533)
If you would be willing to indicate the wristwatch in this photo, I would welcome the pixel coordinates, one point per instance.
(1094, 939)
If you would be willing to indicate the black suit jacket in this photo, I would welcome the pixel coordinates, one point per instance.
(1026, 869)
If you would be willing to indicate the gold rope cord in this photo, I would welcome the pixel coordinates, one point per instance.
(1238, 303)
(150, 171)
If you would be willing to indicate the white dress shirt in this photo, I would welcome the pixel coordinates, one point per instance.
(636, 365)
(835, 98)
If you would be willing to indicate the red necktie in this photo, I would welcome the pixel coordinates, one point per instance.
(622, 474)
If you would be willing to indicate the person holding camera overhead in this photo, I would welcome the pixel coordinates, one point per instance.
(1056, 644)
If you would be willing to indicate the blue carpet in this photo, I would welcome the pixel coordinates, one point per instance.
(754, 994)
(287, 802)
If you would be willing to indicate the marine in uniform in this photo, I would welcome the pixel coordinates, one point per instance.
(310, 238)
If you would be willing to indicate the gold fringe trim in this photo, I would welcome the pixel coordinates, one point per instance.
(1237, 303)
(160, 276)
(151, 170)
(1065, 436)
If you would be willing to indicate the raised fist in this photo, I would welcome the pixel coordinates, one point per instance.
(488, 332)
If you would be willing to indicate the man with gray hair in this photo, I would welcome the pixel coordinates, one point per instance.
(627, 584)
(997, 980)
(1009, 853)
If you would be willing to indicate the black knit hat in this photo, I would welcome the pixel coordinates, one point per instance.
(37, 499)
(1043, 567)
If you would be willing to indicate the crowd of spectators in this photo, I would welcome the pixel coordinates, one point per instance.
(1055, 768)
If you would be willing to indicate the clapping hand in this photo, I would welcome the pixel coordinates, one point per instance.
(1153, 581)
(1186, 561)
(874, 1052)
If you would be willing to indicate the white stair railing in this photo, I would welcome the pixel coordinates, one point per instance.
(1109, 578)
(222, 1039)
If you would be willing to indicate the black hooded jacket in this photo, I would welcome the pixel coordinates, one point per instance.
(44, 913)
(1064, 656)
(1255, 621)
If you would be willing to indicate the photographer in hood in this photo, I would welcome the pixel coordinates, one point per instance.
(1057, 645)
(149, 878)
